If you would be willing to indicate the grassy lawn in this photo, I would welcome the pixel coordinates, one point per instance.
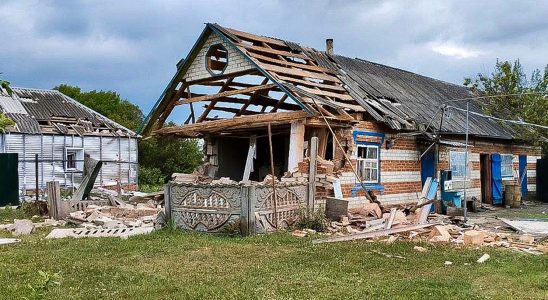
(182, 265)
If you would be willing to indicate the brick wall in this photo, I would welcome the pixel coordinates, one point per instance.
(236, 61)
(400, 174)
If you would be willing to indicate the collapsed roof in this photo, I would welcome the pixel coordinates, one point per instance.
(320, 83)
(36, 111)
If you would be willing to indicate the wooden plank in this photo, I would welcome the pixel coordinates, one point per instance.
(272, 170)
(322, 86)
(228, 93)
(296, 72)
(328, 94)
(312, 173)
(296, 144)
(214, 102)
(292, 64)
(372, 234)
(253, 37)
(249, 161)
(236, 111)
(272, 51)
(251, 98)
(391, 218)
(237, 121)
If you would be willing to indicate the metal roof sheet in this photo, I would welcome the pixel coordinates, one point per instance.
(43, 106)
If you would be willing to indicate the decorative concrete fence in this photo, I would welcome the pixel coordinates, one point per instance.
(212, 207)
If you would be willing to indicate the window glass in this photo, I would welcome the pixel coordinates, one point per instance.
(506, 169)
(458, 164)
(367, 163)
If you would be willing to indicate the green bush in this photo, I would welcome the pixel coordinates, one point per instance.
(150, 176)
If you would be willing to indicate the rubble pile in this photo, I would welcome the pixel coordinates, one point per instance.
(114, 217)
(26, 226)
(371, 222)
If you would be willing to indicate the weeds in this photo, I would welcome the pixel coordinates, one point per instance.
(47, 282)
(311, 220)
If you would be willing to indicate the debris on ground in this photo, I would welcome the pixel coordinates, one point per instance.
(370, 221)
(5, 241)
(448, 263)
(420, 249)
(483, 258)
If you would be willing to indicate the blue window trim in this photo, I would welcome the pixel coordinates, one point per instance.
(368, 133)
(369, 186)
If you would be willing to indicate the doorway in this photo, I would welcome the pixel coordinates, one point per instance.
(485, 178)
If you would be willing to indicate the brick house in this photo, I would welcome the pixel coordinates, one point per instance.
(391, 127)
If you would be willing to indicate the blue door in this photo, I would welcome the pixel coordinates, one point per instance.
(523, 175)
(496, 179)
(427, 166)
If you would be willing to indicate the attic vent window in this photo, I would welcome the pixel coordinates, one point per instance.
(216, 59)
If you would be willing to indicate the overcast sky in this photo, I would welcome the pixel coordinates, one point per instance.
(132, 46)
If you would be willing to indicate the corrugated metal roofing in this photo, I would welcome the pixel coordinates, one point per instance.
(49, 106)
(399, 98)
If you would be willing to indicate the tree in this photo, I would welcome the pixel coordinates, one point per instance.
(5, 122)
(107, 103)
(528, 100)
(6, 86)
(159, 157)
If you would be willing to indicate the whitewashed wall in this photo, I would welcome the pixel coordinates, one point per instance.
(119, 156)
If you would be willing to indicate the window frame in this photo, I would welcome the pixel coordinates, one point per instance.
(211, 71)
(451, 164)
(376, 160)
(504, 165)
(78, 161)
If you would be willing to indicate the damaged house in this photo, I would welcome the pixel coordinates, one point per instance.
(52, 135)
(366, 126)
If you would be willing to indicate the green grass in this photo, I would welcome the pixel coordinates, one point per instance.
(7, 214)
(181, 265)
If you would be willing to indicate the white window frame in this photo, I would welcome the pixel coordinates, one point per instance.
(79, 156)
(452, 164)
(505, 166)
(361, 162)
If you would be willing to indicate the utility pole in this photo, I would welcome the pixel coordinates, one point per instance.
(466, 162)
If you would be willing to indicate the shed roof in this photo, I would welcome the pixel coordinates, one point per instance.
(38, 111)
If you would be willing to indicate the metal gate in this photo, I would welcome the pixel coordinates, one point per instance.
(9, 179)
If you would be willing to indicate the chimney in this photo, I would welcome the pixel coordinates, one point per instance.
(329, 46)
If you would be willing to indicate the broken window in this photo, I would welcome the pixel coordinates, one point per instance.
(216, 59)
(368, 163)
(74, 159)
(506, 169)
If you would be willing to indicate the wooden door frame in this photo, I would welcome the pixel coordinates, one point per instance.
(485, 178)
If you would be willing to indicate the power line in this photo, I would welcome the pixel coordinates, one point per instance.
(495, 96)
(499, 119)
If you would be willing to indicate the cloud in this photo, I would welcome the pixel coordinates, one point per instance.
(133, 48)
(453, 50)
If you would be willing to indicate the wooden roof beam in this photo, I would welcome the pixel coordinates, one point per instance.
(228, 93)
(226, 124)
